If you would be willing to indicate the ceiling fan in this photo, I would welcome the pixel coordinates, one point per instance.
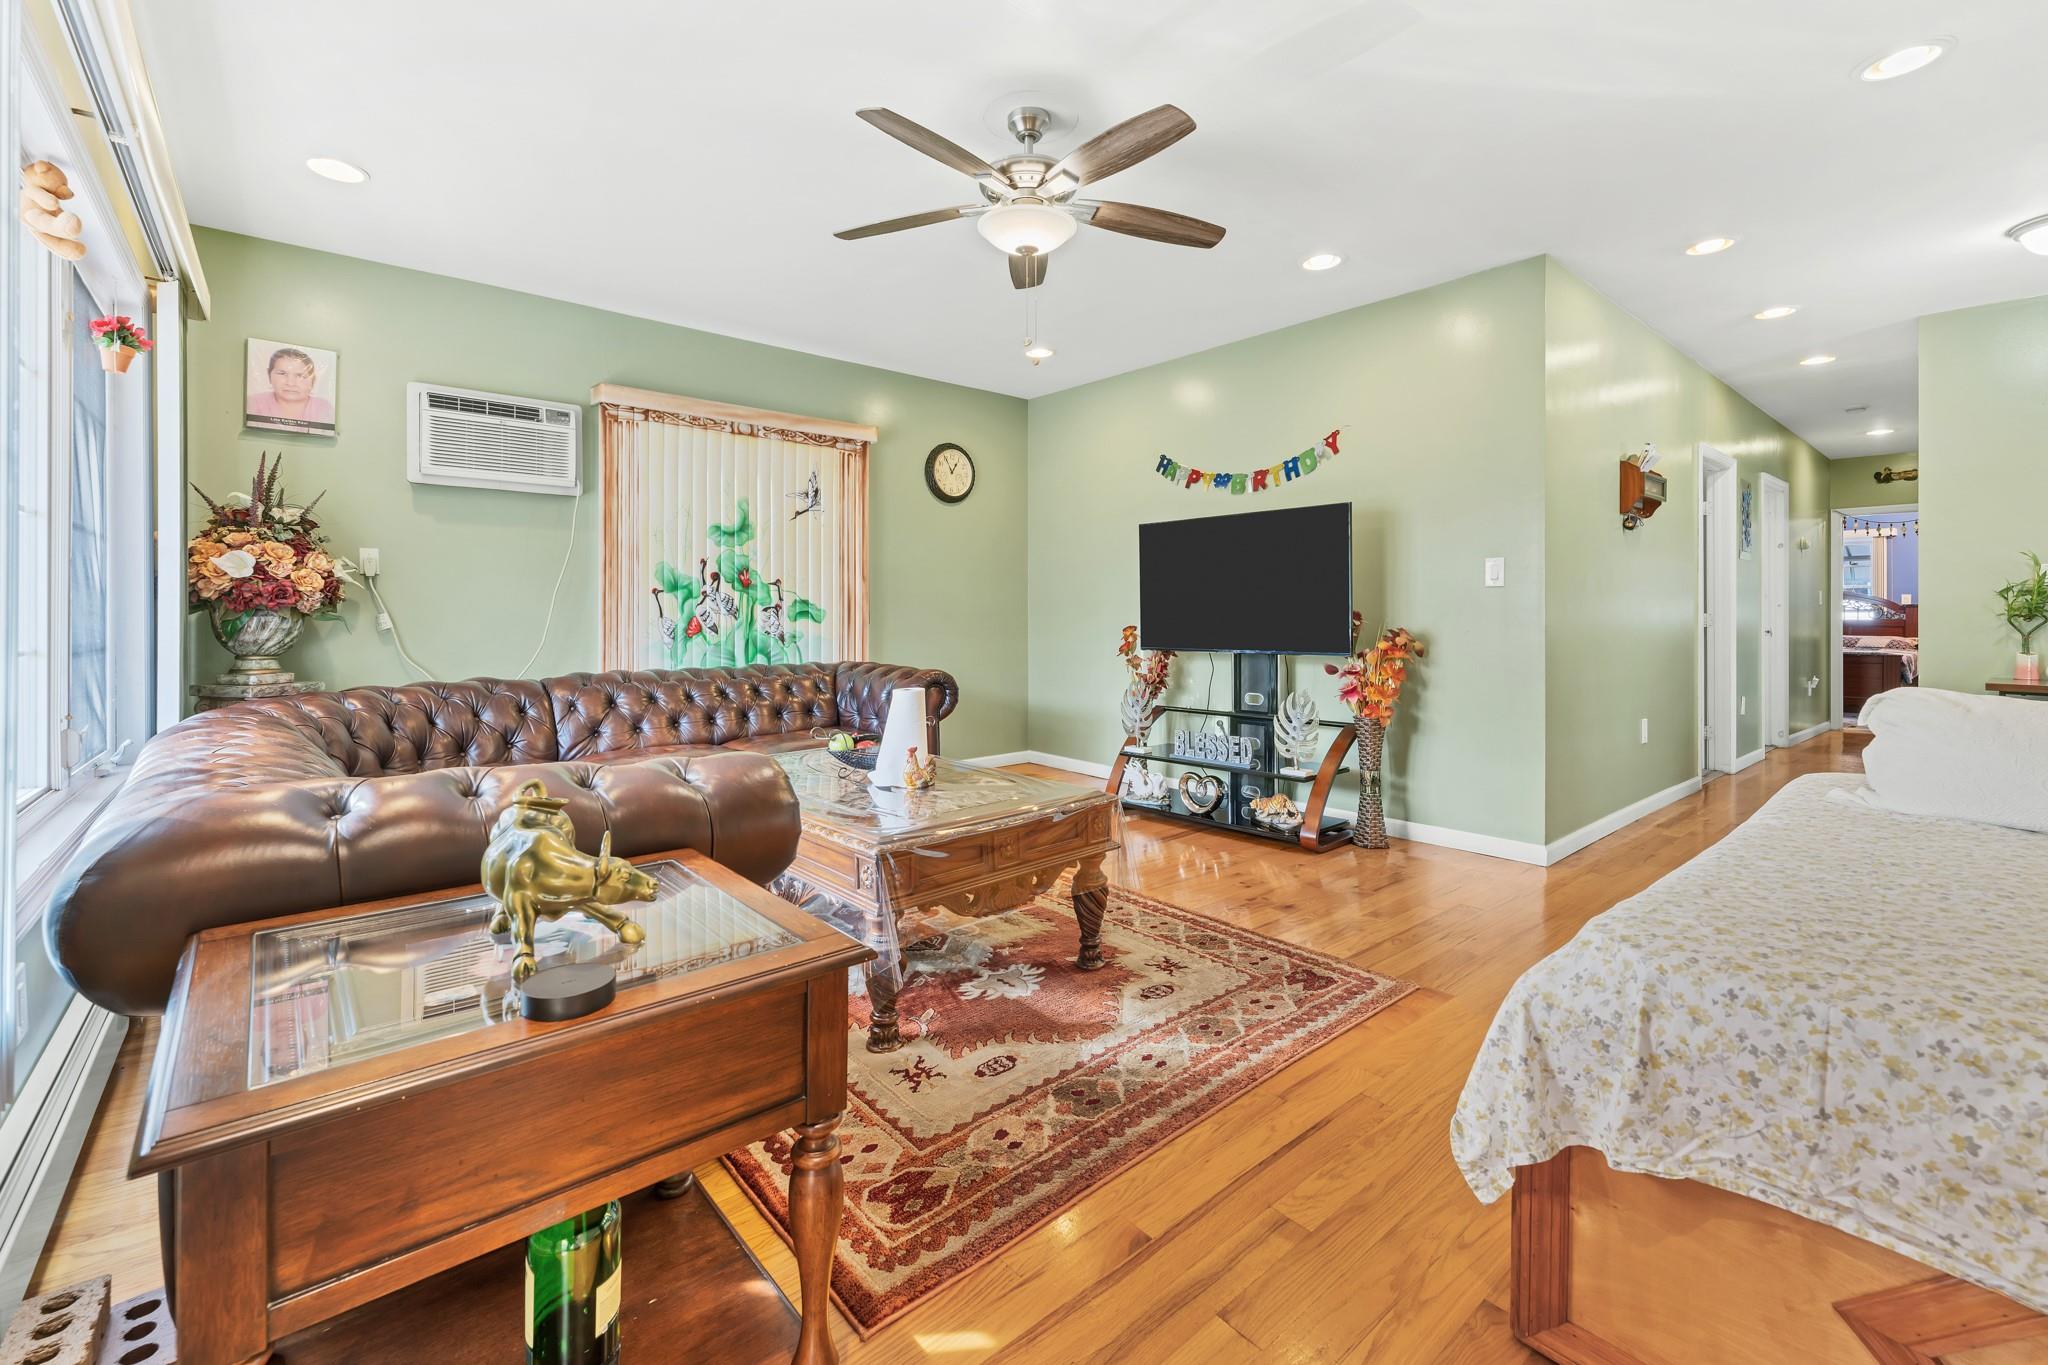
(1029, 206)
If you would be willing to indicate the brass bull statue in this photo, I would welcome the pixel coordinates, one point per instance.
(534, 871)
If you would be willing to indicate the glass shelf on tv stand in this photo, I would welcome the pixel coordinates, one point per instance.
(1266, 716)
(1188, 761)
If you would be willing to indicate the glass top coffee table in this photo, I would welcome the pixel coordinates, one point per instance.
(977, 842)
(357, 1129)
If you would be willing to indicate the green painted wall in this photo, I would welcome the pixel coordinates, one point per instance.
(1850, 484)
(1441, 391)
(1984, 419)
(1621, 607)
(466, 572)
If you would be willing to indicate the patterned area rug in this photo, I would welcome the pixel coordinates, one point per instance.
(1031, 1081)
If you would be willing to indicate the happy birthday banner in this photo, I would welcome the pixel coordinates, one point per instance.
(1259, 480)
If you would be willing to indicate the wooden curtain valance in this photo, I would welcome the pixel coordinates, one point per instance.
(744, 421)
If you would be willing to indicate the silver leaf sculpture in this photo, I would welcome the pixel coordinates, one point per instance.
(1295, 731)
(1137, 715)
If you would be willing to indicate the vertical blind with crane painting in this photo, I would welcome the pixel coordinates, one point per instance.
(732, 536)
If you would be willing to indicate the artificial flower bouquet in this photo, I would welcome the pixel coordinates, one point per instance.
(256, 552)
(1371, 679)
(119, 340)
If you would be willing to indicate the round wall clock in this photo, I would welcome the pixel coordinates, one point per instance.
(949, 472)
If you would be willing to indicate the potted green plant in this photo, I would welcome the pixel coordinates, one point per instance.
(2025, 601)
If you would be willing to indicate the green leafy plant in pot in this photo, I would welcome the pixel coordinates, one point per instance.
(2025, 602)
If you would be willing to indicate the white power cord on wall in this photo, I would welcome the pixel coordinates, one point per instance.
(385, 621)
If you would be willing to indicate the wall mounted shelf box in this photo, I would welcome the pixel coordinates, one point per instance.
(1641, 495)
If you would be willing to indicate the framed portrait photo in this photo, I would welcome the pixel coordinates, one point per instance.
(290, 387)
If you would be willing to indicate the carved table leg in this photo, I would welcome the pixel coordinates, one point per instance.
(882, 1031)
(816, 1193)
(1091, 899)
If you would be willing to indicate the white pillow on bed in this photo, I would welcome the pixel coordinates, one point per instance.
(1958, 755)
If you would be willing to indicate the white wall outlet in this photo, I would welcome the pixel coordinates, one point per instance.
(1646, 730)
(366, 560)
(1496, 573)
(1742, 707)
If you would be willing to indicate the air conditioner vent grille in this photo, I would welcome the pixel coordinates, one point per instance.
(489, 440)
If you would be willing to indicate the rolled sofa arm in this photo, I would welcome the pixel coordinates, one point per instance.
(862, 695)
(164, 861)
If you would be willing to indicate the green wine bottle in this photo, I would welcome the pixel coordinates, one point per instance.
(572, 1290)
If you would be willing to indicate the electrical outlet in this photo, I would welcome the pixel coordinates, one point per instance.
(1646, 729)
(366, 560)
(1742, 707)
(1496, 573)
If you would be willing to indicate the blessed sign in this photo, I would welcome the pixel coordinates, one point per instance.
(1240, 751)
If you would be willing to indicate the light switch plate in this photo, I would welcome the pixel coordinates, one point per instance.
(1496, 573)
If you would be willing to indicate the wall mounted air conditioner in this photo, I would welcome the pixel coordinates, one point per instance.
(492, 440)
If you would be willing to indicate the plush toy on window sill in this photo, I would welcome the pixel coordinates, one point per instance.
(43, 192)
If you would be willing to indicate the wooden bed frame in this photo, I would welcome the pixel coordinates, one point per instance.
(1618, 1269)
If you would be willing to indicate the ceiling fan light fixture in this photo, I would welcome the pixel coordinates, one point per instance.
(1026, 229)
(1035, 351)
(1322, 260)
(1710, 246)
(2032, 234)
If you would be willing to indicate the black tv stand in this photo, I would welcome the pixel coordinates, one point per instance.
(1254, 677)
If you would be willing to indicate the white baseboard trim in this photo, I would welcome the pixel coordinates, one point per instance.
(1464, 841)
(1801, 736)
(1072, 765)
(1749, 759)
(1557, 850)
(1440, 836)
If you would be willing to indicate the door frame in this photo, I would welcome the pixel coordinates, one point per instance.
(1776, 688)
(1835, 514)
(1716, 619)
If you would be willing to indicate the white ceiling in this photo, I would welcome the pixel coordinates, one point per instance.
(689, 162)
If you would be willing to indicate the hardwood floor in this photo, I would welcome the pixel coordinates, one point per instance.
(1317, 1218)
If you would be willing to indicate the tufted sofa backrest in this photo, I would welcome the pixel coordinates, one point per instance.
(418, 727)
(606, 713)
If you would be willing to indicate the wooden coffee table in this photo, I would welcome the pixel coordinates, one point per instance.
(354, 1134)
(978, 842)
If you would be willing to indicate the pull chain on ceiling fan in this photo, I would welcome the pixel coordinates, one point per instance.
(1029, 207)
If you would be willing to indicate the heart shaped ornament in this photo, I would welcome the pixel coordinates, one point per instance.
(1200, 792)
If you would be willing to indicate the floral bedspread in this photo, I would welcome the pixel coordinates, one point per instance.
(1837, 1010)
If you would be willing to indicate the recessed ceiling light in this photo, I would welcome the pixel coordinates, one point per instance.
(1879, 431)
(1783, 310)
(337, 170)
(1710, 246)
(1818, 360)
(1322, 260)
(1904, 62)
(2032, 234)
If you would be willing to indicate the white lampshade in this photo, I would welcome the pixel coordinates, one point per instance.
(1026, 228)
(902, 731)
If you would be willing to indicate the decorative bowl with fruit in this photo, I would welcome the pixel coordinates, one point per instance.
(852, 748)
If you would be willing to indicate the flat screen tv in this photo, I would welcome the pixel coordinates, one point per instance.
(1275, 582)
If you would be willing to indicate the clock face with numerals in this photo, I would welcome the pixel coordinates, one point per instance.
(949, 473)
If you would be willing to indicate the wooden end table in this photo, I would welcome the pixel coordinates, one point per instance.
(977, 842)
(345, 1116)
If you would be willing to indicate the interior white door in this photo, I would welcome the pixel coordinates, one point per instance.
(1777, 611)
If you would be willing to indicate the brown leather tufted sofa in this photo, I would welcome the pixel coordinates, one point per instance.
(302, 803)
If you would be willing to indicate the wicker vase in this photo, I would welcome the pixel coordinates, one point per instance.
(1369, 830)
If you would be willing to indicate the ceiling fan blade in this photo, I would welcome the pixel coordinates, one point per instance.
(899, 224)
(1027, 272)
(930, 143)
(1125, 145)
(1156, 225)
